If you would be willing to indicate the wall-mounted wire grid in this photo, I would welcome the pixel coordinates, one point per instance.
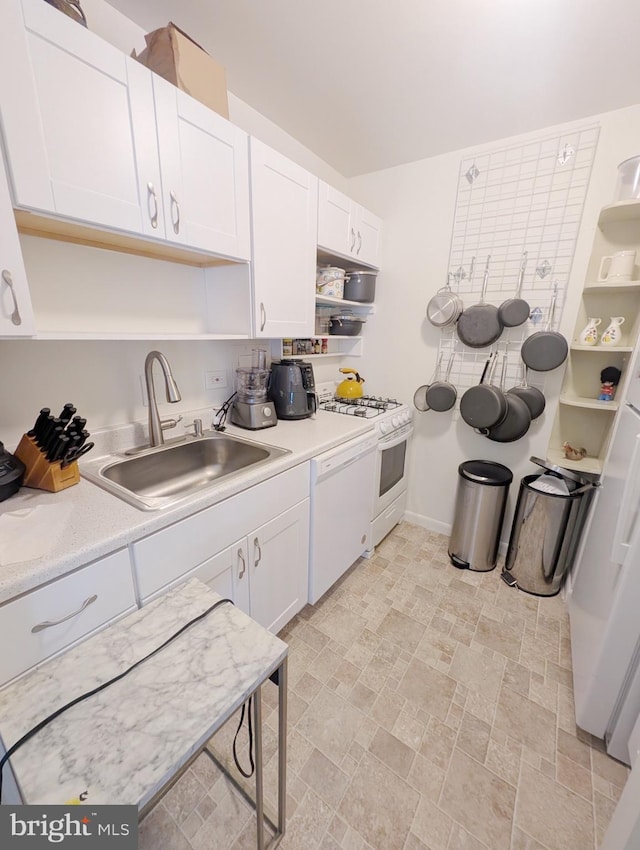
(527, 197)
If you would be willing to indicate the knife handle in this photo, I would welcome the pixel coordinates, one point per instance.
(67, 412)
(58, 448)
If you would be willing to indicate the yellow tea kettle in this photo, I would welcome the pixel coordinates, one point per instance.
(350, 387)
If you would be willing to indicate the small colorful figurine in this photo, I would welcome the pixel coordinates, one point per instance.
(573, 454)
(609, 380)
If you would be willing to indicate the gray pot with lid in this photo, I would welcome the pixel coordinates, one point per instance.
(360, 285)
(345, 324)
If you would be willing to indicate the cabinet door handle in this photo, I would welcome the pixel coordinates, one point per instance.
(48, 623)
(244, 563)
(152, 204)
(16, 318)
(353, 239)
(256, 544)
(175, 212)
(359, 242)
(263, 316)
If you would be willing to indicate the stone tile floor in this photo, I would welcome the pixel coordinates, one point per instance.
(428, 708)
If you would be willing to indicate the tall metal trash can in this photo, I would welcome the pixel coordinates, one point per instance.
(481, 500)
(547, 527)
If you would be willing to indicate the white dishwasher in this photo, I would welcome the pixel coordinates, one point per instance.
(342, 493)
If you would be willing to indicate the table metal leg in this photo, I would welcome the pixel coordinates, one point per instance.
(282, 747)
(257, 725)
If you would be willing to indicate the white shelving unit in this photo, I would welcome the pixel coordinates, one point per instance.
(582, 420)
(326, 306)
(338, 346)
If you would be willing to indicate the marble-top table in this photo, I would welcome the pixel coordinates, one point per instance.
(126, 743)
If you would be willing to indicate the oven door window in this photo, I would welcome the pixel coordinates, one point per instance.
(392, 467)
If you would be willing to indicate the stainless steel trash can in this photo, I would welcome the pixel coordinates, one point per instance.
(546, 530)
(481, 499)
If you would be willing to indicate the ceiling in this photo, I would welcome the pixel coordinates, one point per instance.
(369, 84)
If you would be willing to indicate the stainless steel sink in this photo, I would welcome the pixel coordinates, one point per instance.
(160, 477)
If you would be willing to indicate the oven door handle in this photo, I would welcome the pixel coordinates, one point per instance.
(391, 441)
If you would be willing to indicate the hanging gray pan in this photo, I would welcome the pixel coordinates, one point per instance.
(442, 395)
(484, 405)
(480, 325)
(515, 311)
(532, 396)
(545, 350)
(444, 307)
(517, 421)
(420, 395)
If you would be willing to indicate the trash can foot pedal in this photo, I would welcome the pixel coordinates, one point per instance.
(507, 578)
(458, 562)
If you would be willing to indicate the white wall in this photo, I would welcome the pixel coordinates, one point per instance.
(126, 35)
(417, 203)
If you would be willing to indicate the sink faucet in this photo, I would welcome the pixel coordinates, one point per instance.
(156, 437)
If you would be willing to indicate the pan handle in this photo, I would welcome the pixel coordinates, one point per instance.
(436, 374)
(449, 365)
(486, 367)
(485, 281)
(552, 307)
(493, 367)
(521, 275)
(471, 268)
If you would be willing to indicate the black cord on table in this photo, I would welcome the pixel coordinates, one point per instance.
(28, 735)
(221, 416)
(245, 706)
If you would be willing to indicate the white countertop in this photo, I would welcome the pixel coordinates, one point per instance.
(123, 744)
(98, 522)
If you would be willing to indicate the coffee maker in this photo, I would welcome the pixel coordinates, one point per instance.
(251, 407)
(293, 390)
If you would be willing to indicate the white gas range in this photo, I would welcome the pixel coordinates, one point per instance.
(393, 424)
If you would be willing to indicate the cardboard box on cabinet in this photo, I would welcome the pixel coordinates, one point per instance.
(172, 54)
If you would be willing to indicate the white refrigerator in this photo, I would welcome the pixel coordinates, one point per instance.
(604, 603)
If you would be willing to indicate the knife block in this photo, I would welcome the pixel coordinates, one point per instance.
(40, 473)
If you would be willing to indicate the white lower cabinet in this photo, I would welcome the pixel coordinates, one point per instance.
(279, 567)
(52, 618)
(265, 572)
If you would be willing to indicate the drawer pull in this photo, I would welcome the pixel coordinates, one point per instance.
(175, 212)
(256, 544)
(16, 318)
(48, 623)
(244, 563)
(153, 216)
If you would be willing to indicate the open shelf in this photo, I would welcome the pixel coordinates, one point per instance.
(330, 301)
(576, 347)
(622, 211)
(589, 403)
(612, 288)
(592, 465)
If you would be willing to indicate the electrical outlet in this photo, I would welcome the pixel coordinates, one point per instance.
(215, 380)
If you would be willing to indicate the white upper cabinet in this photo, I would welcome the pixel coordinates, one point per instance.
(284, 204)
(205, 174)
(82, 140)
(78, 122)
(16, 314)
(347, 229)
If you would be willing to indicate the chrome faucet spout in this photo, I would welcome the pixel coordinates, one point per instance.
(156, 437)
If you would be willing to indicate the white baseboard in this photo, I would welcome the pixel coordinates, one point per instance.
(428, 523)
(441, 527)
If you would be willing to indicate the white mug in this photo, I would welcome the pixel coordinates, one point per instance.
(617, 268)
